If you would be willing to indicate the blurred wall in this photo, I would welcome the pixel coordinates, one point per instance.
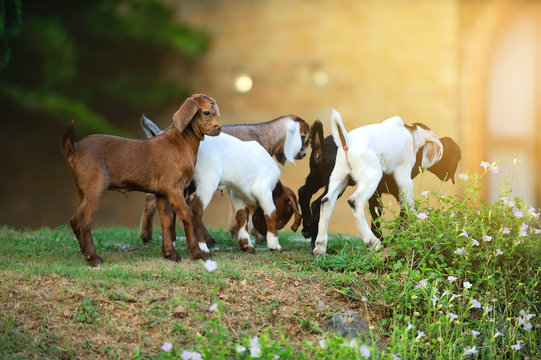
(442, 63)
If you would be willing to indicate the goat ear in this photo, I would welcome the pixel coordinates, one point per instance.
(298, 217)
(281, 158)
(316, 140)
(432, 153)
(149, 127)
(258, 220)
(293, 142)
(185, 114)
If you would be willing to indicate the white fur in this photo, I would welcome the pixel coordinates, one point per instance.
(203, 246)
(372, 150)
(293, 142)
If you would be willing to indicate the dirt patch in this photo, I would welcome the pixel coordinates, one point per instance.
(101, 323)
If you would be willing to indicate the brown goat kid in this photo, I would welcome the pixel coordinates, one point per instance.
(163, 165)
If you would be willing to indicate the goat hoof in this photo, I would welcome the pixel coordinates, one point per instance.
(249, 249)
(305, 233)
(279, 249)
(211, 242)
(200, 255)
(146, 238)
(172, 256)
(94, 261)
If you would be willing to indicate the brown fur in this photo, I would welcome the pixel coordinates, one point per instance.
(162, 165)
(286, 204)
(266, 133)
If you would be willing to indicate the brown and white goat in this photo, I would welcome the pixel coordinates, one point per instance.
(163, 165)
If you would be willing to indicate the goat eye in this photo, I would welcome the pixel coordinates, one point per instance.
(206, 113)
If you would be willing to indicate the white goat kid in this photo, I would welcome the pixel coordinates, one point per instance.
(243, 167)
(365, 154)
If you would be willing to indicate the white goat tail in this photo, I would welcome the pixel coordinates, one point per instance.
(339, 133)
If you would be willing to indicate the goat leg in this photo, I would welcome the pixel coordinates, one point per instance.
(376, 209)
(184, 212)
(145, 227)
(167, 220)
(80, 223)
(304, 204)
(245, 243)
(204, 239)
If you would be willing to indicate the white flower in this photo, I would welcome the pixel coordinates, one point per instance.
(518, 214)
(322, 343)
(494, 169)
(485, 164)
(518, 346)
(422, 216)
(475, 333)
(451, 278)
(213, 307)
(524, 226)
(475, 242)
(189, 355)
(460, 251)
(488, 238)
(452, 316)
(434, 299)
(255, 349)
(470, 350)
(525, 315)
(463, 177)
(396, 357)
(506, 230)
(498, 333)
(410, 326)
(167, 346)
(365, 351)
(488, 309)
(464, 233)
(420, 334)
(276, 357)
(527, 326)
(467, 284)
(537, 231)
(516, 161)
(476, 304)
(499, 252)
(523, 233)
(211, 265)
(240, 349)
(425, 193)
(421, 284)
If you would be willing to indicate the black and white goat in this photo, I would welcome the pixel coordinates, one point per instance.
(363, 156)
(322, 159)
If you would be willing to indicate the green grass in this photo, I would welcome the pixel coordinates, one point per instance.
(461, 283)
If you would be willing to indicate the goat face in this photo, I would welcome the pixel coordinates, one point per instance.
(202, 113)
(445, 168)
(286, 205)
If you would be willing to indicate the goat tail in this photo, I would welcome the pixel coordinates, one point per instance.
(68, 139)
(338, 131)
